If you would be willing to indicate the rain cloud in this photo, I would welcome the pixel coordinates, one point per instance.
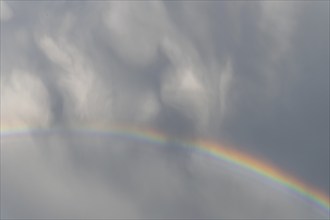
(254, 74)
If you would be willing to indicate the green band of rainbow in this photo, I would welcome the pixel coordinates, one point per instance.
(210, 148)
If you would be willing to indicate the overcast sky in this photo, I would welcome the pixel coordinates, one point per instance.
(253, 74)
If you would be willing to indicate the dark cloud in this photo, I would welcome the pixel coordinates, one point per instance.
(293, 125)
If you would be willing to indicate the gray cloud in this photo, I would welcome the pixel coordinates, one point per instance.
(255, 74)
(110, 177)
(6, 12)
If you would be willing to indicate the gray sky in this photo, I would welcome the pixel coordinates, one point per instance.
(253, 74)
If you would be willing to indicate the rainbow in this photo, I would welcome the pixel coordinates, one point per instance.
(207, 147)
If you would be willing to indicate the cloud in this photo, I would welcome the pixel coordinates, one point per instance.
(254, 74)
(78, 81)
(35, 187)
(24, 101)
(6, 12)
(116, 178)
(133, 35)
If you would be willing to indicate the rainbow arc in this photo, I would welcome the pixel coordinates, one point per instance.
(207, 147)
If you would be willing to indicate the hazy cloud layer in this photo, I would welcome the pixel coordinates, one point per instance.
(6, 12)
(255, 74)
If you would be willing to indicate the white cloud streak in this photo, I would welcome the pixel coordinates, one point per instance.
(24, 101)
